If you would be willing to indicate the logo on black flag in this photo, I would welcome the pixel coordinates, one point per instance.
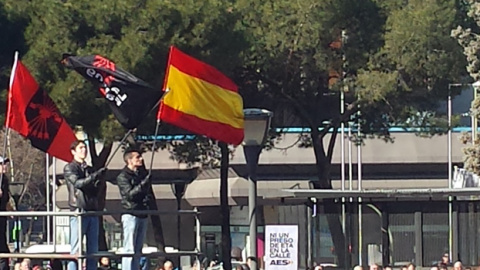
(130, 98)
(44, 120)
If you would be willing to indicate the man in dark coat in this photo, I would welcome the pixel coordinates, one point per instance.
(82, 183)
(134, 184)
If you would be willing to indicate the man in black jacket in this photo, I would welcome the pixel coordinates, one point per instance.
(4, 199)
(82, 183)
(134, 184)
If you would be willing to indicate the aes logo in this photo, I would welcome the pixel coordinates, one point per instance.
(280, 262)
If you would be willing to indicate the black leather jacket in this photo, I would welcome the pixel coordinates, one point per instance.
(82, 186)
(5, 194)
(134, 188)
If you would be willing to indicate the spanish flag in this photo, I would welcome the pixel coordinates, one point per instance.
(201, 99)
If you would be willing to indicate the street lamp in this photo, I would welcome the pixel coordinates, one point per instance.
(16, 189)
(257, 123)
(178, 188)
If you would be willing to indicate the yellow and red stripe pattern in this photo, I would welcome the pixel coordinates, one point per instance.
(201, 99)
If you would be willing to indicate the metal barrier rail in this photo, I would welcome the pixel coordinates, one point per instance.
(97, 255)
(39, 256)
(80, 256)
(95, 213)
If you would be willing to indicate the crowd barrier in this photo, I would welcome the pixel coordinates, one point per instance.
(80, 256)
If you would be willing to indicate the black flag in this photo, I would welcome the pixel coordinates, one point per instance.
(130, 98)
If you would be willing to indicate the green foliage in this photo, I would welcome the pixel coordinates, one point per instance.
(291, 54)
(200, 151)
(410, 73)
(468, 37)
(12, 27)
(395, 60)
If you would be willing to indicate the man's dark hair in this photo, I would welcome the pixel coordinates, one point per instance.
(76, 143)
(128, 154)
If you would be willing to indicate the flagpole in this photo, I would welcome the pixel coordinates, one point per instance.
(4, 153)
(47, 191)
(126, 136)
(118, 146)
(7, 130)
(54, 203)
(154, 144)
(159, 122)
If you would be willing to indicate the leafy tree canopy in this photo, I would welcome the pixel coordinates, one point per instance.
(410, 73)
(394, 60)
(134, 34)
(468, 36)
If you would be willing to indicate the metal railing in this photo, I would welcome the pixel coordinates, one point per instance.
(80, 256)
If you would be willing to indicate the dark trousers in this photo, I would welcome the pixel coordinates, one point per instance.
(3, 243)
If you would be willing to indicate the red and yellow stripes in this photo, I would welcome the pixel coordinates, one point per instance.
(201, 99)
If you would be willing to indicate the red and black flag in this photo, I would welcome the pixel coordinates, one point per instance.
(129, 97)
(33, 114)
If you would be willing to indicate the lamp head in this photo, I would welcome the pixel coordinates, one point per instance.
(16, 188)
(257, 123)
(179, 187)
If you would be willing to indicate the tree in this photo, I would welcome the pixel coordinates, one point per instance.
(397, 60)
(12, 28)
(467, 36)
(26, 165)
(415, 64)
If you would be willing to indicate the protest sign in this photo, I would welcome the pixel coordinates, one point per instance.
(281, 247)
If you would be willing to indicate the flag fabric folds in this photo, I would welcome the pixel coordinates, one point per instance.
(130, 98)
(35, 116)
(201, 99)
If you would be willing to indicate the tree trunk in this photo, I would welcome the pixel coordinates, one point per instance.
(102, 197)
(225, 209)
(99, 161)
(332, 209)
(157, 224)
(28, 234)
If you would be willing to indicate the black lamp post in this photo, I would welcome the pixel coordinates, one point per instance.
(16, 189)
(178, 188)
(256, 126)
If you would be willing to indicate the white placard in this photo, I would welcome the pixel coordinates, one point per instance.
(465, 179)
(281, 247)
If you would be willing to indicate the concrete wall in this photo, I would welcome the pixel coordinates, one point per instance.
(406, 148)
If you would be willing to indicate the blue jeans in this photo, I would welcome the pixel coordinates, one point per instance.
(144, 263)
(89, 230)
(134, 231)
